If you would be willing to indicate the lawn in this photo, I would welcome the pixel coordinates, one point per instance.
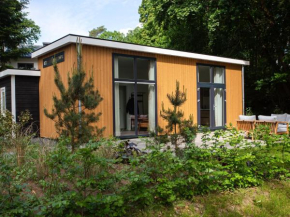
(269, 199)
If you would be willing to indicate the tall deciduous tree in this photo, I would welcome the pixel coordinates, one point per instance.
(17, 32)
(73, 112)
(258, 31)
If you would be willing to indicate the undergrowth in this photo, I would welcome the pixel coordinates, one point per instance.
(53, 181)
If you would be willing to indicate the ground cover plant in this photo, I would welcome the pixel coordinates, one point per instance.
(53, 181)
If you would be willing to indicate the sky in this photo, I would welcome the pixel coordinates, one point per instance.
(57, 18)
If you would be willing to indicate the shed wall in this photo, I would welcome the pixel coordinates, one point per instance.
(169, 69)
(27, 98)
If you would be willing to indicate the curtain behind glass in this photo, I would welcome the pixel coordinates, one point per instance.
(218, 75)
(219, 108)
(151, 97)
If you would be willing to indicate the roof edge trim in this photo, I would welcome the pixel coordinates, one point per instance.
(132, 47)
(9, 72)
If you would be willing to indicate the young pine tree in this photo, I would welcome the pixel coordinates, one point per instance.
(73, 112)
(174, 116)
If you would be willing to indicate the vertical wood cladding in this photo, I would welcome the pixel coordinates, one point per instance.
(47, 88)
(6, 82)
(27, 97)
(98, 60)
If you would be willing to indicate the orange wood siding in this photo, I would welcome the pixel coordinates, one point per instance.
(47, 88)
(234, 93)
(169, 69)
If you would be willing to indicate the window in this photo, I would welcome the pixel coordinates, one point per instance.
(211, 74)
(25, 66)
(3, 100)
(211, 96)
(134, 95)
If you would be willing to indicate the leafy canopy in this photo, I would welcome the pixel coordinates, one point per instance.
(258, 31)
(17, 32)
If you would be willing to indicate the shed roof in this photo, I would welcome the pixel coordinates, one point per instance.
(71, 38)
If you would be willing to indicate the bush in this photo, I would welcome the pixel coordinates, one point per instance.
(53, 181)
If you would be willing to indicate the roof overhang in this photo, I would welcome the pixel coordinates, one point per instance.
(132, 47)
(9, 72)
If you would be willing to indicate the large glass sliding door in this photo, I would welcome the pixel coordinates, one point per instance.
(134, 95)
(211, 96)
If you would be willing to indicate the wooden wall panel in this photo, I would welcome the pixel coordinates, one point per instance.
(169, 69)
(47, 88)
(234, 93)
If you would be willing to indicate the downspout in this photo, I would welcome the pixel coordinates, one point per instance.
(243, 88)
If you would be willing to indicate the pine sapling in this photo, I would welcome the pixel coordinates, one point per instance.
(73, 113)
(174, 116)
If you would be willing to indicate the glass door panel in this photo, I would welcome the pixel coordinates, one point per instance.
(124, 109)
(218, 107)
(146, 107)
(205, 114)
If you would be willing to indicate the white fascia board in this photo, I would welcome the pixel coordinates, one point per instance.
(55, 45)
(9, 72)
(132, 47)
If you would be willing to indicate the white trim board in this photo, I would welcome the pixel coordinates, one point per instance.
(13, 98)
(132, 47)
(9, 72)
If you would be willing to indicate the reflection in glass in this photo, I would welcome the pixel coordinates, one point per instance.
(203, 73)
(135, 104)
(146, 105)
(124, 109)
(205, 106)
(145, 69)
(124, 67)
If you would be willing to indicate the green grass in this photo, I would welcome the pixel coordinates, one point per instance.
(270, 199)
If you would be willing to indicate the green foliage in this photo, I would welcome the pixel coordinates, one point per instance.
(17, 31)
(91, 182)
(97, 31)
(188, 129)
(257, 31)
(73, 112)
(16, 135)
(139, 35)
(249, 111)
(174, 116)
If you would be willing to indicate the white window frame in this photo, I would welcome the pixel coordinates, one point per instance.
(3, 101)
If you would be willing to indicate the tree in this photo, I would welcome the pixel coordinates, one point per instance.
(17, 32)
(96, 32)
(114, 36)
(73, 112)
(136, 36)
(258, 31)
(174, 116)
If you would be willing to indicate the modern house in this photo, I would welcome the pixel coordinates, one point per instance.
(134, 81)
